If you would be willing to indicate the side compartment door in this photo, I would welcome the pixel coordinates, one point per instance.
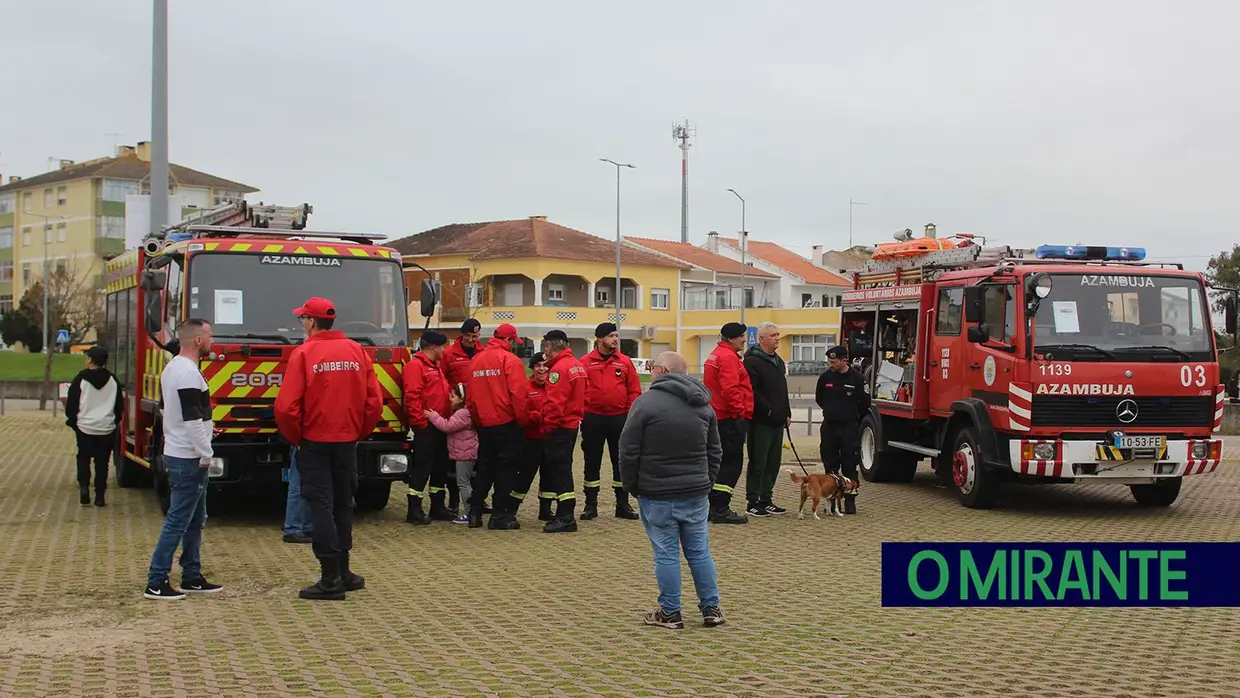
(947, 360)
(991, 364)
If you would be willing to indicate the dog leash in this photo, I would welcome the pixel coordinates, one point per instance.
(794, 450)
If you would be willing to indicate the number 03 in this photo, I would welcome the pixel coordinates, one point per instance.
(1187, 376)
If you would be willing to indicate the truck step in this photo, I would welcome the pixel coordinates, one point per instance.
(923, 450)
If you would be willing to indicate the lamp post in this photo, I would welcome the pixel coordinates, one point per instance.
(744, 240)
(618, 296)
(47, 233)
(852, 203)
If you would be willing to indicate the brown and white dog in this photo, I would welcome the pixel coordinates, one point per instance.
(818, 487)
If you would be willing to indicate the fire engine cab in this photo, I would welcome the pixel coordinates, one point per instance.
(1064, 364)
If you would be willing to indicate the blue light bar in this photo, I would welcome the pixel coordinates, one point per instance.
(1110, 254)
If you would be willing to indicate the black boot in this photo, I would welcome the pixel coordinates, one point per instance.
(475, 516)
(544, 509)
(99, 498)
(329, 587)
(623, 509)
(721, 510)
(84, 494)
(590, 511)
(454, 499)
(415, 515)
(503, 520)
(351, 580)
(439, 512)
(564, 522)
(850, 503)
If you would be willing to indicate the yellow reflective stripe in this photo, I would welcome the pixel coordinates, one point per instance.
(415, 493)
(722, 488)
(592, 483)
(436, 490)
(517, 495)
(546, 495)
(273, 248)
(358, 252)
(566, 496)
(617, 483)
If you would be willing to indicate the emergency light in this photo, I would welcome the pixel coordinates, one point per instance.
(1111, 254)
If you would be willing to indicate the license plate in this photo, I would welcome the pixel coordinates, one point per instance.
(284, 474)
(1141, 441)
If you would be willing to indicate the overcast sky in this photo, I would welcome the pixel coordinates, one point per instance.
(1036, 122)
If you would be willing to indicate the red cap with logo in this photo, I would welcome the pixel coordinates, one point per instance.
(507, 331)
(316, 307)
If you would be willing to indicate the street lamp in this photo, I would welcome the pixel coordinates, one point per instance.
(744, 240)
(47, 234)
(618, 166)
(852, 203)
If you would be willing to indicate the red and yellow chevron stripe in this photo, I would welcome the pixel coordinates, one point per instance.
(287, 247)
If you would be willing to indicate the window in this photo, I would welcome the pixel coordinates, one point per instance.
(6, 238)
(831, 300)
(748, 296)
(6, 304)
(117, 189)
(62, 233)
(26, 274)
(807, 300)
(26, 201)
(660, 298)
(112, 227)
(555, 292)
(6, 270)
(62, 196)
(950, 310)
(1000, 312)
(47, 198)
(811, 347)
(223, 196)
(629, 297)
(25, 237)
(6, 203)
(602, 296)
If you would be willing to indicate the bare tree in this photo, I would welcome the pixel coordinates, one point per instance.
(75, 303)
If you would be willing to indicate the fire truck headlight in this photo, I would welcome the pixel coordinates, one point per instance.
(1201, 450)
(1044, 451)
(216, 469)
(390, 463)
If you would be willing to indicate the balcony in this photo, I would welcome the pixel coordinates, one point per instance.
(106, 247)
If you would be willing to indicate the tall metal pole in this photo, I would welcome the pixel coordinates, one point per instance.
(618, 296)
(47, 234)
(159, 118)
(744, 240)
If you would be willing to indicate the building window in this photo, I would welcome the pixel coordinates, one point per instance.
(62, 233)
(6, 304)
(25, 237)
(807, 300)
(6, 270)
(26, 274)
(629, 297)
(47, 235)
(112, 227)
(6, 238)
(223, 196)
(811, 347)
(26, 201)
(62, 196)
(555, 292)
(602, 297)
(6, 203)
(660, 299)
(118, 189)
(47, 198)
(830, 300)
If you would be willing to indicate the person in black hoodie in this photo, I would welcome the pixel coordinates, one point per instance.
(93, 411)
(772, 413)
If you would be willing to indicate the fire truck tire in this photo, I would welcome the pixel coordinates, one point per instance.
(878, 465)
(976, 486)
(373, 495)
(1162, 494)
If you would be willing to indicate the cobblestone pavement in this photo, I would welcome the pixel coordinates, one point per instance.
(452, 611)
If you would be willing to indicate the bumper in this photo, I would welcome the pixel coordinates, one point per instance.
(1084, 461)
(260, 464)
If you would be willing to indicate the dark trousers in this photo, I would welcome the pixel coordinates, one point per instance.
(558, 463)
(532, 463)
(841, 447)
(766, 444)
(328, 483)
(499, 452)
(732, 434)
(430, 462)
(597, 430)
(98, 449)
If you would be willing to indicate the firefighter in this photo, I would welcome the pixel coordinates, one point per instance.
(842, 395)
(562, 413)
(496, 394)
(612, 387)
(455, 367)
(328, 402)
(532, 460)
(426, 388)
(731, 396)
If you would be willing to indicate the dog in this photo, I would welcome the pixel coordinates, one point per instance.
(832, 486)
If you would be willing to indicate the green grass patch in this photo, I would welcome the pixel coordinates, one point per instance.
(29, 367)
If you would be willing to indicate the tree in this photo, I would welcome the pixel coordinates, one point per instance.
(16, 327)
(1224, 270)
(74, 304)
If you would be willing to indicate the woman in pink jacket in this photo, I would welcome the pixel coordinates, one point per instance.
(462, 447)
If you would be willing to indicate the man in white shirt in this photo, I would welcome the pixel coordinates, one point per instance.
(185, 401)
(93, 412)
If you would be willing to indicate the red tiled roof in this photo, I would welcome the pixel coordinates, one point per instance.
(128, 167)
(699, 257)
(523, 239)
(790, 262)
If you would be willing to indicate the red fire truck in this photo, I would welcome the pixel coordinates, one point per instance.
(244, 269)
(1065, 364)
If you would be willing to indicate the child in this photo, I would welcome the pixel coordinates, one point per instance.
(462, 447)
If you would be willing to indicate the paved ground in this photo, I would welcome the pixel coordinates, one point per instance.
(452, 611)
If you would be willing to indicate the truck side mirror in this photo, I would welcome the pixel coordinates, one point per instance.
(154, 279)
(978, 334)
(430, 297)
(153, 314)
(1229, 314)
(974, 304)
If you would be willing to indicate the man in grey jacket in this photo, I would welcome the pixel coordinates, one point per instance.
(669, 458)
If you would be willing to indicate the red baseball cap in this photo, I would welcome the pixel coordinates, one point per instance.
(507, 331)
(316, 307)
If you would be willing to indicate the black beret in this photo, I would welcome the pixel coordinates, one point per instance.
(471, 325)
(837, 352)
(537, 358)
(433, 338)
(556, 334)
(732, 330)
(604, 329)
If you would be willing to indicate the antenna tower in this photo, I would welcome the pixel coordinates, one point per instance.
(683, 133)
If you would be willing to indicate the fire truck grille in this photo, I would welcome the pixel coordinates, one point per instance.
(1083, 411)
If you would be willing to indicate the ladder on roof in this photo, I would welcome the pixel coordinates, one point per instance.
(241, 214)
(928, 266)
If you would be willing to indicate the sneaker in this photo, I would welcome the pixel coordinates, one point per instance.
(758, 511)
(298, 538)
(665, 620)
(462, 519)
(199, 586)
(163, 591)
(776, 510)
(712, 616)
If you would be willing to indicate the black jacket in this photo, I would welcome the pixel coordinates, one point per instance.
(670, 448)
(842, 396)
(769, 378)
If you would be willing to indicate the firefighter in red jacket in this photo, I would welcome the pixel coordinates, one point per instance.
(329, 401)
(561, 417)
(613, 386)
(455, 367)
(496, 395)
(532, 460)
(731, 396)
(425, 388)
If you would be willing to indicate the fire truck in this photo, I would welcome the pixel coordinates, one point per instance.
(244, 268)
(1064, 364)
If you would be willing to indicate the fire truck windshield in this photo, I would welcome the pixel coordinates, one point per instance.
(252, 296)
(1124, 317)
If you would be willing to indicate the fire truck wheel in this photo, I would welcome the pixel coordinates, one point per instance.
(373, 495)
(877, 465)
(1162, 494)
(977, 487)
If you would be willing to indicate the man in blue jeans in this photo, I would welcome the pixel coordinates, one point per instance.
(185, 402)
(670, 455)
(297, 525)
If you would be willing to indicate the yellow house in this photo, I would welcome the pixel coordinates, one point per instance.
(76, 214)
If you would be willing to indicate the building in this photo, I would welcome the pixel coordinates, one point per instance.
(84, 206)
(541, 276)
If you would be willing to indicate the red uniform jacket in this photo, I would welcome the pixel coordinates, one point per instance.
(455, 363)
(425, 388)
(330, 392)
(497, 389)
(566, 393)
(731, 393)
(535, 398)
(612, 383)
